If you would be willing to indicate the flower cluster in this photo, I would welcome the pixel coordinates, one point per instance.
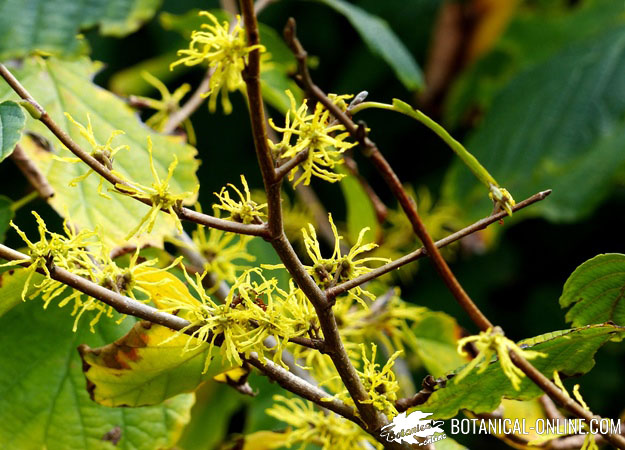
(312, 426)
(589, 439)
(226, 52)
(327, 272)
(103, 153)
(488, 344)
(158, 195)
(439, 216)
(82, 254)
(65, 251)
(381, 385)
(245, 210)
(166, 106)
(255, 309)
(315, 132)
(387, 321)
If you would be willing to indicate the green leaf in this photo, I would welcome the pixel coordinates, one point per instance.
(533, 36)
(51, 26)
(6, 214)
(44, 403)
(143, 368)
(130, 81)
(382, 41)
(436, 337)
(204, 412)
(67, 87)
(360, 210)
(559, 125)
(596, 291)
(570, 352)
(11, 286)
(12, 120)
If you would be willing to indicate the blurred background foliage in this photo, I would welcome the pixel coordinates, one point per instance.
(534, 88)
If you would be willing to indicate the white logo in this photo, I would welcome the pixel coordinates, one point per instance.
(408, 428)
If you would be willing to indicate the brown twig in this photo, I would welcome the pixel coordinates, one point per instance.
(251, 75)
(284, 169)
(551, 410)
(421, 252)
(560, 397)
(121, 303)
(129, 306)
(427, 388)
(102, 170)
(290, 382)
(32, 173)
(389, 176)
(370, 149)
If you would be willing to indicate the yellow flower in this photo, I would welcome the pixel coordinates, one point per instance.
(589, 441)
(225, 51)
(388, 324)
(103, 153)
(381, 385)
(221, 249)
(158, 194)
(68, 252)
(166, 106)
(501, 199)
(439, 216)
(245, 210)
(493, 342)
(312, 426)
(317, 132)
(254, 310)
(338, 268)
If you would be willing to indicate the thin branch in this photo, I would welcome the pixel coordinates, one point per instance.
(421, 252)
(183, 213)
(127, 305)
(191, 105)
(251, 75)
(560, 397)
(32, 173)
(427, 389)
(551, 410)
(371, 150)
(284, 169)
(293, 383)
(121, 303)
(358, 132)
